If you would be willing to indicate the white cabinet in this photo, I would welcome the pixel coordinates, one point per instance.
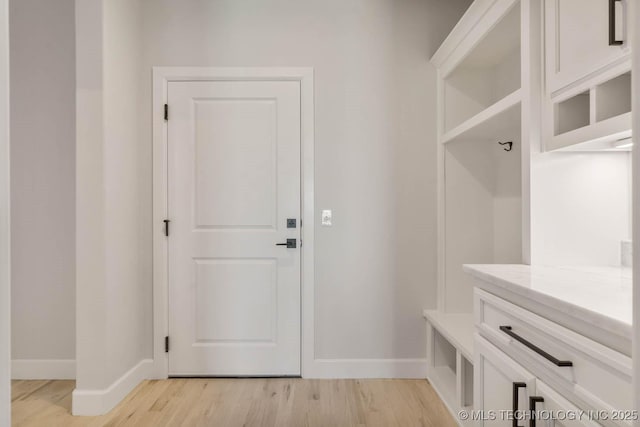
(506, 390)
(588, 75)
(548, 401)
(502, 386)
(582, 38)
(567, 370)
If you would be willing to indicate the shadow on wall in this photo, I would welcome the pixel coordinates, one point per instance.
(438, 26)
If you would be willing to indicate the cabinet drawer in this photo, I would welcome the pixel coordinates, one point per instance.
(592, 375)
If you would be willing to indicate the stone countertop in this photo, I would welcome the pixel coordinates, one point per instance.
(594, 301)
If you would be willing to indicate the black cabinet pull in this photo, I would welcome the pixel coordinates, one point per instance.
(612, 24)
(532, 408)
(509, 331)
(516, 387)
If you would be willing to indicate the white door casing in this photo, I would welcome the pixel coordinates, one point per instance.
(232, 240)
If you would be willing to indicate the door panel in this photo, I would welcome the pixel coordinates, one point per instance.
(226, 291)
(234, 180)
(236, 162)
(495, 374)
(556, 406)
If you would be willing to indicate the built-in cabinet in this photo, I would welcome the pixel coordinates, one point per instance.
(583, 37)
(483, 96)
(548, 401)
(587, 75)
(594, 115)
(502, 386)
(507, 391)
(524, 362)
(517, 81)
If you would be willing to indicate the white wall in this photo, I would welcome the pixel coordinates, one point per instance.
(129, 321)
(91, 307)
(113, 294)
(43, 181)
(483, 206)
(375, 145)
(5, 292)
(580, 207)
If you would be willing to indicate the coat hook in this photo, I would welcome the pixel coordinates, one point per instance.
(509, 145)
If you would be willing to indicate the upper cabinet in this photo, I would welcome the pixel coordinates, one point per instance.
(583, 37)
(588, 75)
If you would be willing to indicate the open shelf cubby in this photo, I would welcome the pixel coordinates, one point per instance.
(594, 119)
(450, 357)
(444, 364)
(483, 211)
(572, 113)
(467, 383)
(489, 73)
(613, 97)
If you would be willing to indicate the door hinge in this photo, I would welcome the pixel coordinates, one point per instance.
(166, 344)
(166, 227)
(166, 112)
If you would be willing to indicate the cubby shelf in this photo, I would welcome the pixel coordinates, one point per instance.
(490, 122)
(596, 137)
(444, 379)
(482, 94)
(450, 357)
(593, 119)
(457, 328)
(486, 73)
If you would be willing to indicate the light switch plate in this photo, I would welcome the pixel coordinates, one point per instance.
(326, 218)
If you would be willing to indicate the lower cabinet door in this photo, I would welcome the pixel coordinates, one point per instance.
(550, 409)
(501, 388)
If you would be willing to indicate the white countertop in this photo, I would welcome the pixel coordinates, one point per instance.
(599, 296)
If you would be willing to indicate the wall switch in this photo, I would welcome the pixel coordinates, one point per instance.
(326, 218)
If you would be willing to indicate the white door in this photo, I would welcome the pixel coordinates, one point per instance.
(577, 38)
(234, 182)
(500, 385)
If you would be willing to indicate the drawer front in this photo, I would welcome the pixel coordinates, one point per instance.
(592, 375)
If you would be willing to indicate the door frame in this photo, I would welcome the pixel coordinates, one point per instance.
(162, 76)
(5, 226)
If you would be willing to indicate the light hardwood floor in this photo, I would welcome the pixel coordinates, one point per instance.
(242, 402)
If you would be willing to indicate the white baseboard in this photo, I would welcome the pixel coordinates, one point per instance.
(99, 402)
(366, 368)
(43, 369)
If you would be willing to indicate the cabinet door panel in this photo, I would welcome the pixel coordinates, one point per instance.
(494, 376)
(577, 39)
(560, 408)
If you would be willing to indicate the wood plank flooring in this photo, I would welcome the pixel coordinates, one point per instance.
(242, 402)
